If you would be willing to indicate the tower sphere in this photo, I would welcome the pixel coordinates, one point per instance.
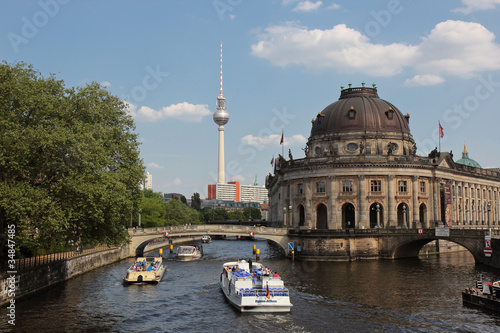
(221, 117)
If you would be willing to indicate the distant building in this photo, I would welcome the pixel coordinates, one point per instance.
(233, 191)
(169, 196)
(148, 183)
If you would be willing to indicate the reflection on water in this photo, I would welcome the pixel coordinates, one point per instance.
(367, 296)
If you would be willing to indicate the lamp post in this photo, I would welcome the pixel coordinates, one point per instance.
(489, 214)
(404, 216)
(290, 212)
(378, 215)
(284, 216)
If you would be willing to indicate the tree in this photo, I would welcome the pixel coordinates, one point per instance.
(196, 201)
(183, 200)
(70, 167)
(152, 209)
(236, 215)
(178, 213)
(252, 213)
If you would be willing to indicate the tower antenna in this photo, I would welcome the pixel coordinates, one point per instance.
(221, 68)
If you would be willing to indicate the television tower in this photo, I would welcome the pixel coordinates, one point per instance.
(221, 117)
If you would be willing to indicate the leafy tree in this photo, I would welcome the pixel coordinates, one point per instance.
(153, 210)
(183, 200)
(220, 214)
(252, 213)
(236, 215)
(178, 213)
(69, 161)
(196, 201)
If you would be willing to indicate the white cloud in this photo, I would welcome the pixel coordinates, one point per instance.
(474, 5)
(174, 182)
(155, 166)
(273, 140)
(452, 48)
(333, 6)
(232, 17)
(307, 6)
(238, 178)
(424, 80)
(106, 84)
(182, 111)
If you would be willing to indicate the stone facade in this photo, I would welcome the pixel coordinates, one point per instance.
(361, 170)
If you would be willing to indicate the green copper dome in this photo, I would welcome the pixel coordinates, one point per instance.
(465, 160)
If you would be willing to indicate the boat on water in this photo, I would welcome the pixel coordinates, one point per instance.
(206, 239)
(145, 270)
(189, 252)
(484, 295)
(250, 287)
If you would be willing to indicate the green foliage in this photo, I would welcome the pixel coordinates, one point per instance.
(252, 213)
(69, 161)
(236, 215)
(153, 210)
(220, 214)
(178, 213)
(196, 201)
(183, 200)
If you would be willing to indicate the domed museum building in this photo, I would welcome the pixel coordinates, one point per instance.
(361, 170)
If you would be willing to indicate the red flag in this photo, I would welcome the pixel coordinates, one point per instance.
(282, 138)
(441, 131)
(272, 161)
(268, 295)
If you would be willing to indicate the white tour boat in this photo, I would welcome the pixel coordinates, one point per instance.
(143, 271)
(250, 287)
(189, 252)
(206, 239)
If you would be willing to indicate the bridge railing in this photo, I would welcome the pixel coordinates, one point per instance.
(200, 228)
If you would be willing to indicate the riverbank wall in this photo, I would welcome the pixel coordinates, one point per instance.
(32, 280)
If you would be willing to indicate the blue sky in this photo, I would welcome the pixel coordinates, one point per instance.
(283, 62)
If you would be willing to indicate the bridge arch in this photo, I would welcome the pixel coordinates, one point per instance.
(411, 249)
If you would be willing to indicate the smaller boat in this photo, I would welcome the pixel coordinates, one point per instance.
(189, 252)
(206, 239)
(144, 271)
(485, 295)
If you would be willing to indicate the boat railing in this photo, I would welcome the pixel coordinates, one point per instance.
(273, 292)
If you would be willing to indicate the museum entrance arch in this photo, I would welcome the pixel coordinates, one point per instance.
(422, 215)
(302, 216)
(376, 215)
(403, 215)
(348, 215)
(321, 217)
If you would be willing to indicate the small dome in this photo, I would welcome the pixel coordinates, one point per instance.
(360, 109)
(465, 160)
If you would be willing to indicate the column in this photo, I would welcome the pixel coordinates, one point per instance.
(415, 208)
(333, 222)
(361, 215)
(308, 202)
(391, 210)
(436, 201)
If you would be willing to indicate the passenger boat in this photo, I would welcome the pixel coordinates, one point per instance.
(144, 271)
(206, 239)
(485, 295)
(250, 287)
(189, 252)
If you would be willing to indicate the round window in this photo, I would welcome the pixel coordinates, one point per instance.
(317, 151)
(352, 147)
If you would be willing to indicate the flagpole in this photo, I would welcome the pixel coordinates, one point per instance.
(439, 135)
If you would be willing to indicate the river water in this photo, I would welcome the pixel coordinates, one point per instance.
(417, 295)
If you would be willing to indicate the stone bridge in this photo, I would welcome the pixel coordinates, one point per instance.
(341, 245)
(142, 237)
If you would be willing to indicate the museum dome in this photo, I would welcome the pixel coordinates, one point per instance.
(465, 160)
(360, 109)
